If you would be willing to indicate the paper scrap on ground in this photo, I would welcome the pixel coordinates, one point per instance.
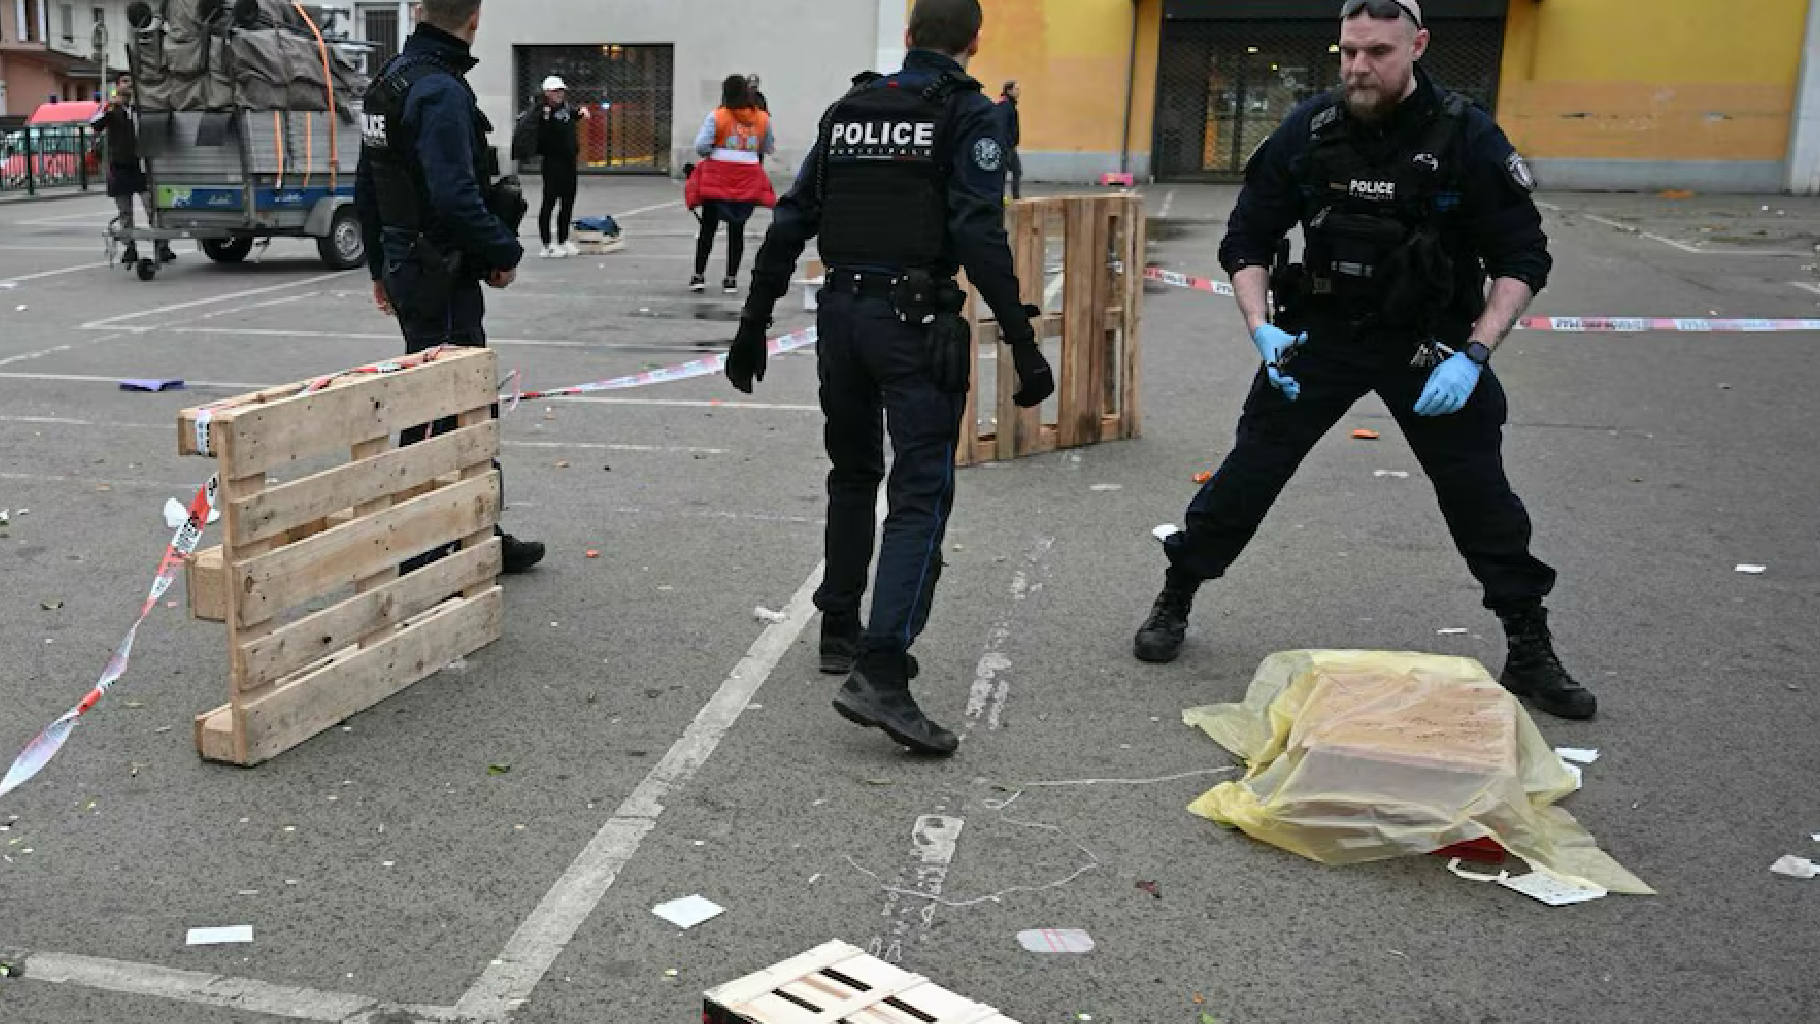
(1392, 473)
(1551, 890)
(220, 936)
(1165, 531)
(689, 911)
(176, 515)
(1103, 488)
(1579, 755)
(152, 384)
(1752, 570)
(764, 614)
(1055, 940)
(1452, 631)
(1796, 867)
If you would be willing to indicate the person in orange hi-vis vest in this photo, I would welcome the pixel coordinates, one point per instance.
(730, 182)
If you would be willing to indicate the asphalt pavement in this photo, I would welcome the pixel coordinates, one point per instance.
(664, 738)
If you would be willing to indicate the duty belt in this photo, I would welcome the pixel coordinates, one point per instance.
(862, 284)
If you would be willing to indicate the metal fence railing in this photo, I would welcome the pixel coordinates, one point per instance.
(48, 157)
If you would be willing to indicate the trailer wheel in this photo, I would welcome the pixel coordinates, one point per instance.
(345, 246)
(227, 250)
(148, 269)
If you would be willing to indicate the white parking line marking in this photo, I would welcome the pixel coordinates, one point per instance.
(41, 275)
(115, 321)
(509, 980)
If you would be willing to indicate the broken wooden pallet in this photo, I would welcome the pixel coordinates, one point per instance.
(320, 624)
(1098, 370)
(837, 983)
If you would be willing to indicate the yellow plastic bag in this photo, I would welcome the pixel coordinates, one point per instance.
(1364, 755)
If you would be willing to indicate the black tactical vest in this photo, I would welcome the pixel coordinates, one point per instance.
(885, 154)
(1380, 241)
(391, 149)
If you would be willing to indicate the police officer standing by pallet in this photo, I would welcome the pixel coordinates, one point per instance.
(1410, 200)
(429, 203)
(903, 186)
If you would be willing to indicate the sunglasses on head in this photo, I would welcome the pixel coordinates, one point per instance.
(1380, 9)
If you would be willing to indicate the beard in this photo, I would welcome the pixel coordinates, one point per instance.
(1375, 100)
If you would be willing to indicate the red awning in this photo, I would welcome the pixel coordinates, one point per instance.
(73, 112)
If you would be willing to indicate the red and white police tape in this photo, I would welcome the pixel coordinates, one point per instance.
(45, 745)
(1562, 324)
(670, 374)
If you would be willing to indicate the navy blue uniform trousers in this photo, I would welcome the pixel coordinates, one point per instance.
(875, 380)
(1462, 455)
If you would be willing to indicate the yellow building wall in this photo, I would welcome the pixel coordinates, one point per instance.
(1072, 58)
(1651, 79)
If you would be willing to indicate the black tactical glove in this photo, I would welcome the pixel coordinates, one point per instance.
(746, 359)
(1036, 381)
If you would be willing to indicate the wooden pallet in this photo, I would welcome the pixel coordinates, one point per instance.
(836, 983)
(298, 664)
(1097, 376)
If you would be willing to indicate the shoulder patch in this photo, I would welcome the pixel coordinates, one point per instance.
(988, 155)
(1324, 118)
(1519, 172)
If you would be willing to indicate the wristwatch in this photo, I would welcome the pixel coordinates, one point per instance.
(1478, 353)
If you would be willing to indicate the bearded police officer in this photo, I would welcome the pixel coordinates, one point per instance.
(1411, 200)
(904, 184)
(429, 203)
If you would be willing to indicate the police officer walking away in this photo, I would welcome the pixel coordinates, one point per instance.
(1410, 199)
(429, 203)
(904, 185)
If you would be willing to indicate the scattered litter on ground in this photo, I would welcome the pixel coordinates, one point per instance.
(1725, 387)
(498, 769)
(1578, 755)
(1107, 487)
(8, 969)
(1339, 774)
(815, 878)
(152, 384)
(763, 614)
(219, 936)
(1362, 434)
(1796, 867)
(593, 553)
(1203, 476)
(1055, 940)
(247, 892)
(1750, 569)
(562, 464)
(689, 911)
(671, 973)
(1165, 531)
(50, 606)
(459, 666)
(1152, 888)
(1453, 631)
(1208, 1018)
(1396, 474)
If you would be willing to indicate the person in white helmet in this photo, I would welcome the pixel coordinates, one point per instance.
(558, 143)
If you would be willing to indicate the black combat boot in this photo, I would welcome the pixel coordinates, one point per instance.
(164, 253)
(1160, 638)
(877, 696)
(840, 642)
(519, 555)
(1532, 669)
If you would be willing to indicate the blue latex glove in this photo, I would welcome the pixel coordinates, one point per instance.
(1449, 386)
(1275, 345)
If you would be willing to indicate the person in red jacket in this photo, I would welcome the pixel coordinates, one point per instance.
(730, 182)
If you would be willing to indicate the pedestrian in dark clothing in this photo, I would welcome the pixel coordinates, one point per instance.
(426, 196)
(904, 186)
(1014, 164)
(117, 126)
(1411, 199)
(559, 146)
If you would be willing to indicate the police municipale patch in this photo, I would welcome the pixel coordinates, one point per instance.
(1519, 172)
(987, 155)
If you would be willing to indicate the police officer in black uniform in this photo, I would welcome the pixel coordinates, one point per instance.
(430, 205)
(1410, 200)
(904, 185)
